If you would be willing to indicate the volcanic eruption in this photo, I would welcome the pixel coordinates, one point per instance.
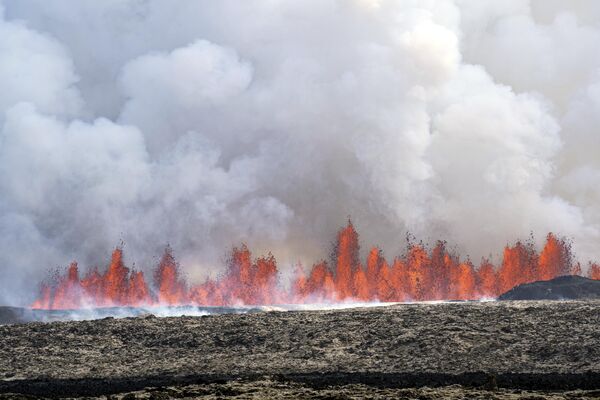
(299, 199)
(419, 274)
(239, 124)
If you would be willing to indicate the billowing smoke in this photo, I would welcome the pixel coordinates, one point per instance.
(205, 124)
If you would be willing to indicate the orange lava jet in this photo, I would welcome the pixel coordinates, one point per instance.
(418, 275)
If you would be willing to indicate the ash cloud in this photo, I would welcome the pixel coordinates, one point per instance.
(204, 124)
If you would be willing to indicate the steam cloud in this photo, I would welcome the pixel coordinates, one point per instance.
(205, 124)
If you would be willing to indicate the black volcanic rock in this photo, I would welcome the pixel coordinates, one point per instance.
(570, 287)
(529, 345)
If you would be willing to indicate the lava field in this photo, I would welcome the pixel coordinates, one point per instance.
(491, 350)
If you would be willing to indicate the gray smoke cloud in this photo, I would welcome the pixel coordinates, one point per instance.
(204, 124)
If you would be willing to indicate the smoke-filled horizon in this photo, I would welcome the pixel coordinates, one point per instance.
(208, 124)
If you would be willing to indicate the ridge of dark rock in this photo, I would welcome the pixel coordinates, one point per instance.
(569, 287)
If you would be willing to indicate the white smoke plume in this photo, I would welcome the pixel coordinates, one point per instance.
(204, 124)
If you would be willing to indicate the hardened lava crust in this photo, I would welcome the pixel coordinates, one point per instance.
(491, 350)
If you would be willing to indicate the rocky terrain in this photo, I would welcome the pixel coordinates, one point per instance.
(274, 389)
(412, 351)
(570, 287)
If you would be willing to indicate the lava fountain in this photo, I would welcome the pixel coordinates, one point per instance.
(420, 274)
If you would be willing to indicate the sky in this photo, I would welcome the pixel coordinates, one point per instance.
(205, 124)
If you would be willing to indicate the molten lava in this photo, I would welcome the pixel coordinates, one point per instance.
(420, 274)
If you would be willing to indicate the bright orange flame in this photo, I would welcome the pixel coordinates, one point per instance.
(594, 271)
(487, 279)
(171, 290)
(418, 275)
(555, 259)
(346, 254)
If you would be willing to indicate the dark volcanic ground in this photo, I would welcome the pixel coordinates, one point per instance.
(569, 287)
(376, 352)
